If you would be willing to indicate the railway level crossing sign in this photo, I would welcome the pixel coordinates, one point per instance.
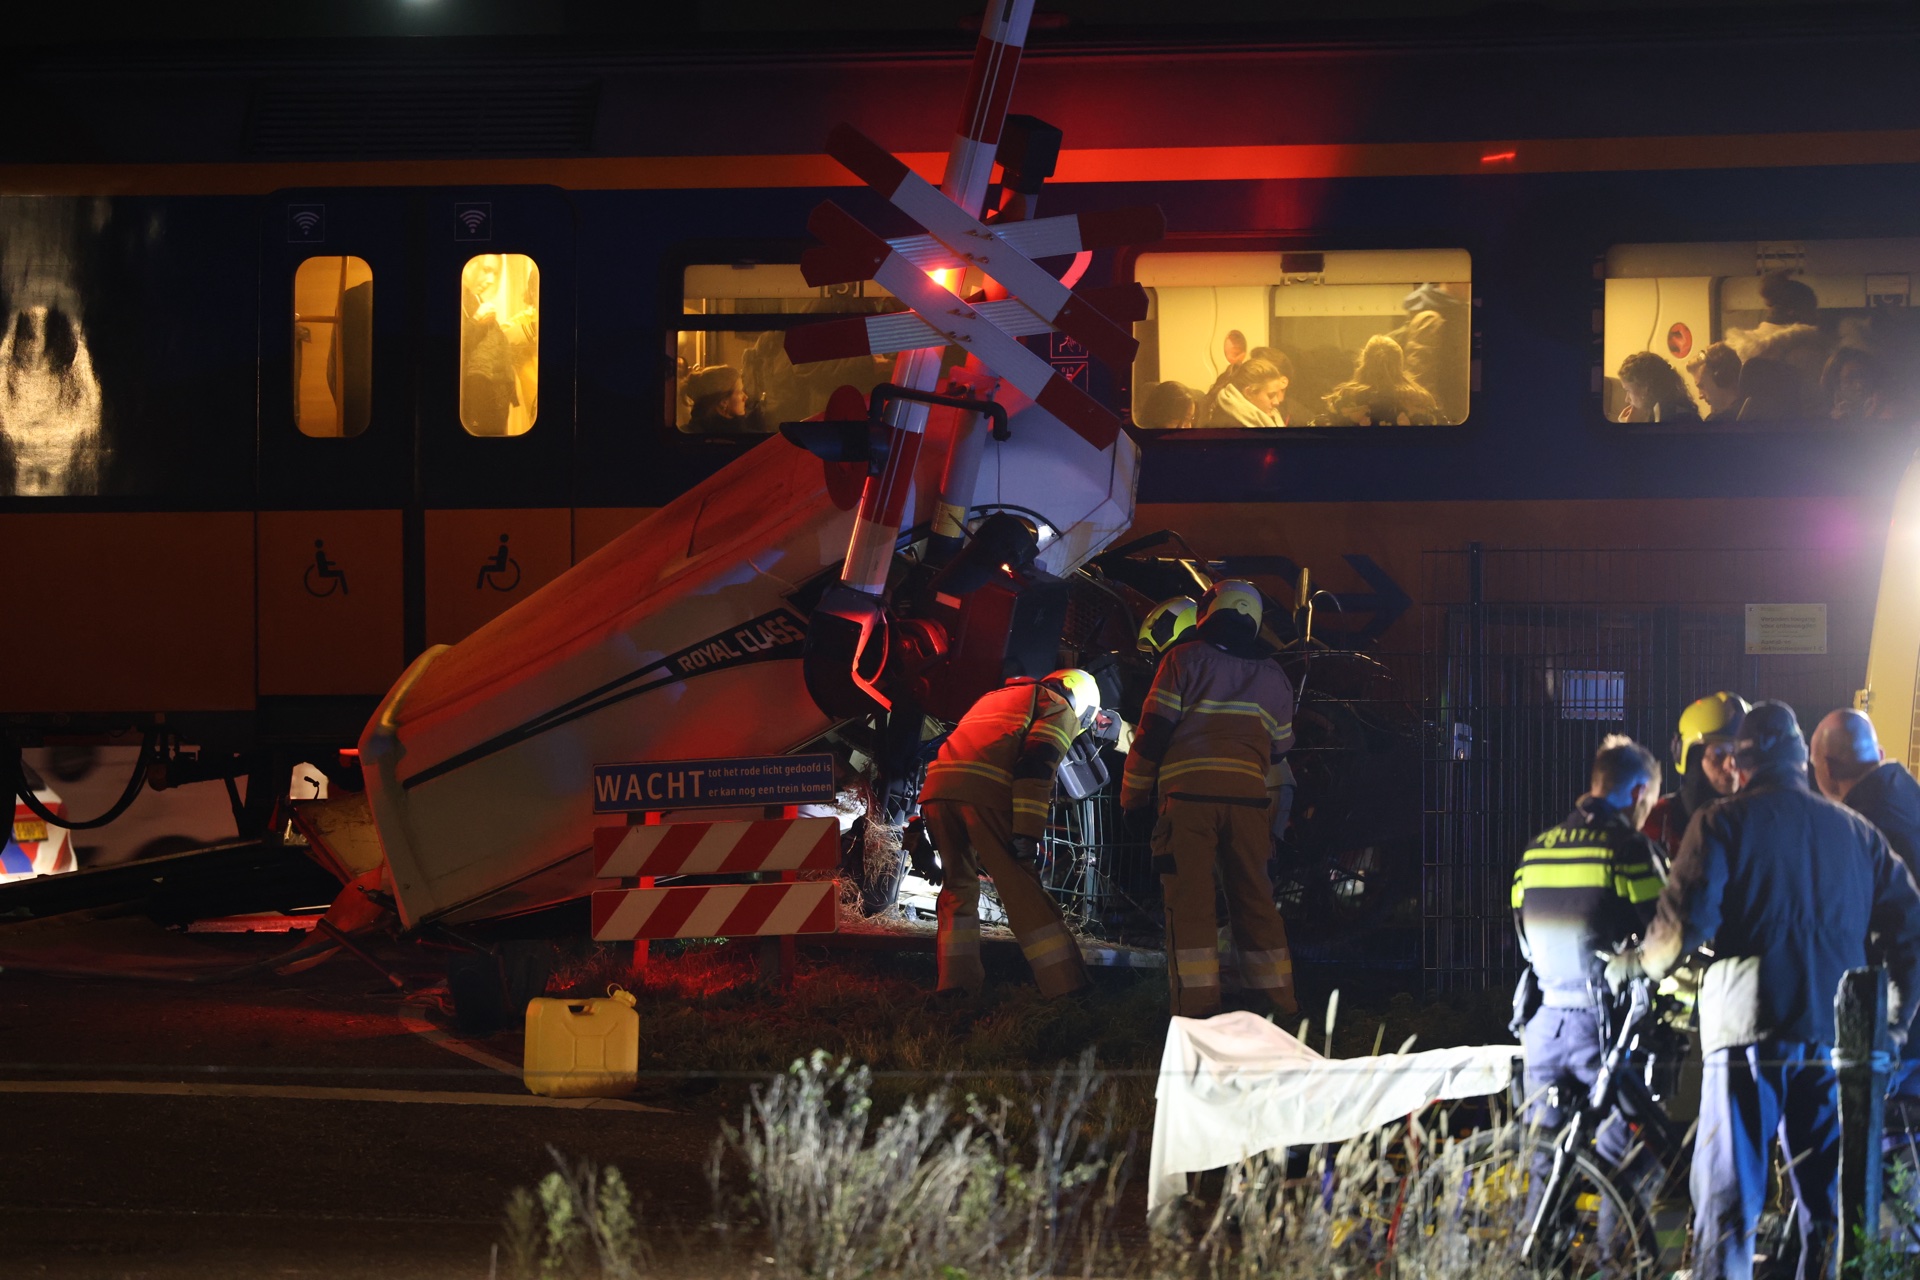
(956, 240)
(732, 860)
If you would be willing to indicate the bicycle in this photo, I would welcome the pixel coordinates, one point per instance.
(1564, 1209)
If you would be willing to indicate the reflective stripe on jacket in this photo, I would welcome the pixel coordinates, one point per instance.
(1003, 753)
(1214, 726)
(1583, 887)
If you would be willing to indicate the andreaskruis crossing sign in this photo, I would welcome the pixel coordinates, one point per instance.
(988, 330)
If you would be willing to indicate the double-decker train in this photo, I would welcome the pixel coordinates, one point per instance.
(316, 356)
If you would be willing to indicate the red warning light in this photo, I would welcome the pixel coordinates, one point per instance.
(1498, 157)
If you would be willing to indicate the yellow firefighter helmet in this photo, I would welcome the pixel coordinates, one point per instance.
(1081, 690)
(1714, 718)
(1232, 596)
(1167, 622)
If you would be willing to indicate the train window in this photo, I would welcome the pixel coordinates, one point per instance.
(1797, 333)
(499, 344)
(732, 376)
(1272, 339)
(332, 346)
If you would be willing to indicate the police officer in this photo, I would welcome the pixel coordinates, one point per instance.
(1584, 887)
(1214, 731)
(1786, 887)
(985, 802)
(1703, 754)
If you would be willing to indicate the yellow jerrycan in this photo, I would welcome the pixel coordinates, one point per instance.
(583, 1048)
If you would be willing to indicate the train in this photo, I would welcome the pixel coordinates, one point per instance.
(317, 356)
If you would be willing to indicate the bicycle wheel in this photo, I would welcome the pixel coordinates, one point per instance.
(1479, 1197)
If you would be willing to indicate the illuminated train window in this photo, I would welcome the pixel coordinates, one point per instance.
(731, 372)
(499, 344)
(1333, 339)
(332, 346)
(1803, 334)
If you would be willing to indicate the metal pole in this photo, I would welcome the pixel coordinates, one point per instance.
(885, 500)
(1862, 1053)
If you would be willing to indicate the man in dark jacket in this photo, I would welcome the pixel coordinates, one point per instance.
(1583, 888)
(1851, 769)
(1787, 887)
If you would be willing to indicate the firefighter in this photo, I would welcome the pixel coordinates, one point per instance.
(1166, 623)
(1703, 755)
(1786, 887)
(985, 802)
(1213, 734)
(1583, 887)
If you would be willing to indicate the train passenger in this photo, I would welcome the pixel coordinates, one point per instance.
(1435, 339)
(1716, 376)
(1284, 363)
(1852, 385)
(1251, 396)
(1234, 349)
(718, 397)
(1655, 390)
(1168, 407)
(1380, 393)
(1789, 335)
(493, 345)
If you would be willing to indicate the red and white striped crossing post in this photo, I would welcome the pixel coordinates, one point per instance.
(884, 501)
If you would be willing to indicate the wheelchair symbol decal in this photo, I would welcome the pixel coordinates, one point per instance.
(324, 570)
(501, 571)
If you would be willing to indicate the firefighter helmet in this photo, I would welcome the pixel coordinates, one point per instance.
(1230, 595)
(1167, 622)
(1714, 718)
(1081, 691)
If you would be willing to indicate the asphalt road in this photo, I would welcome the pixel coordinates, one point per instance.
(281, 1127)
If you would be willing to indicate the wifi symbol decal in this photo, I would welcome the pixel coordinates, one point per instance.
(306, 223)
(473, 221)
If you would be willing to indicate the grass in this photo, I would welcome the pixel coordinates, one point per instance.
(815, 1182)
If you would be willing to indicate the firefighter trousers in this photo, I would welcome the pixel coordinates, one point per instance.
(973, 840)
(1192, 840)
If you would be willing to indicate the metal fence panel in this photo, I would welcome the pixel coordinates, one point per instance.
(1533, 657)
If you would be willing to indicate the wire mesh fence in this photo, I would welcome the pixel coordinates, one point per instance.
(1096, 863)
(1533, 657)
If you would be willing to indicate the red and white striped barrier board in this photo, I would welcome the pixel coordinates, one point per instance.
(905, 331)
(958, 321)
(1039, 238)
(716, 911)
(716, 848)
(978, 245)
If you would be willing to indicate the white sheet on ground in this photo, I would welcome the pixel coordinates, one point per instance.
(1236, 1085)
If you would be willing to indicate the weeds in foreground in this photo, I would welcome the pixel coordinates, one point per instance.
(579, 1222)
(815, 1185)
(929, 1190)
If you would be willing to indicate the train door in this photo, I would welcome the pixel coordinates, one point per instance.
(496, 401)
(336, 443)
